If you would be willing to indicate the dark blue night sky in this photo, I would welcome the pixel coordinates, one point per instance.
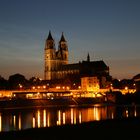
(108, 29)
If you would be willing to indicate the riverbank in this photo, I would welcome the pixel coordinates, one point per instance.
(56, 102)
(120, 129)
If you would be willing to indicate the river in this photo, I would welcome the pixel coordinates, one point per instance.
(23, 118)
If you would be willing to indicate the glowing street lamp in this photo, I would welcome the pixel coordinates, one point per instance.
(126, 88)
(134, 85)
(79, 87)
(20, 86)
(57, 87)
(67, 88)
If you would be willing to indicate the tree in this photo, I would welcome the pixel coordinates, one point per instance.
(3, 83)
(116, 83)
(17, 81)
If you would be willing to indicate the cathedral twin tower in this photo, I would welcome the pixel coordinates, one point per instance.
(54, 58)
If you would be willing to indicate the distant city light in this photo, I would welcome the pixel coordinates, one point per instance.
(126, 88)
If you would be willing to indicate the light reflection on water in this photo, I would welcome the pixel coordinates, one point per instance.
(45, 117)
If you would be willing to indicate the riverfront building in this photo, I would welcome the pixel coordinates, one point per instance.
(57, 67)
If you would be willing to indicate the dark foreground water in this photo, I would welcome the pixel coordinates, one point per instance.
(17, 119)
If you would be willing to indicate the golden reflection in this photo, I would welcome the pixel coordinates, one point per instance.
(33, 122)
(112, 115)
(48, 117)
(48, 120)
(126, 113)
(71, 115)
(0, 122)
(80, 117)
(64, 118)
(38, 118)
(59, 118)
(135, 112)
(75, 117)
(44, 117)
(96, 114)
(19, 122)
(88, 115)
(14, 121)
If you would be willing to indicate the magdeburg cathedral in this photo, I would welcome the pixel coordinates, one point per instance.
(57, 66)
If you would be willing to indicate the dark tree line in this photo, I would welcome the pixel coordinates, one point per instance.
(117, 84)
(18, 81)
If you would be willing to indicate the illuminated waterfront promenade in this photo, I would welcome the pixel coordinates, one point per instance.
(74, 93)
(53, 98)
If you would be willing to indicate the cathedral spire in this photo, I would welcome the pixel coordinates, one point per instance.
(88, 58)
(62, 38)
(49, 36)
(50, 44)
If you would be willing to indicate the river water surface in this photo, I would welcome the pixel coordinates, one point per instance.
(17, 119)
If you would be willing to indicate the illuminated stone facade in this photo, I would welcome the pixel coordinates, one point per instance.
(54, 59)
(90, 84)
